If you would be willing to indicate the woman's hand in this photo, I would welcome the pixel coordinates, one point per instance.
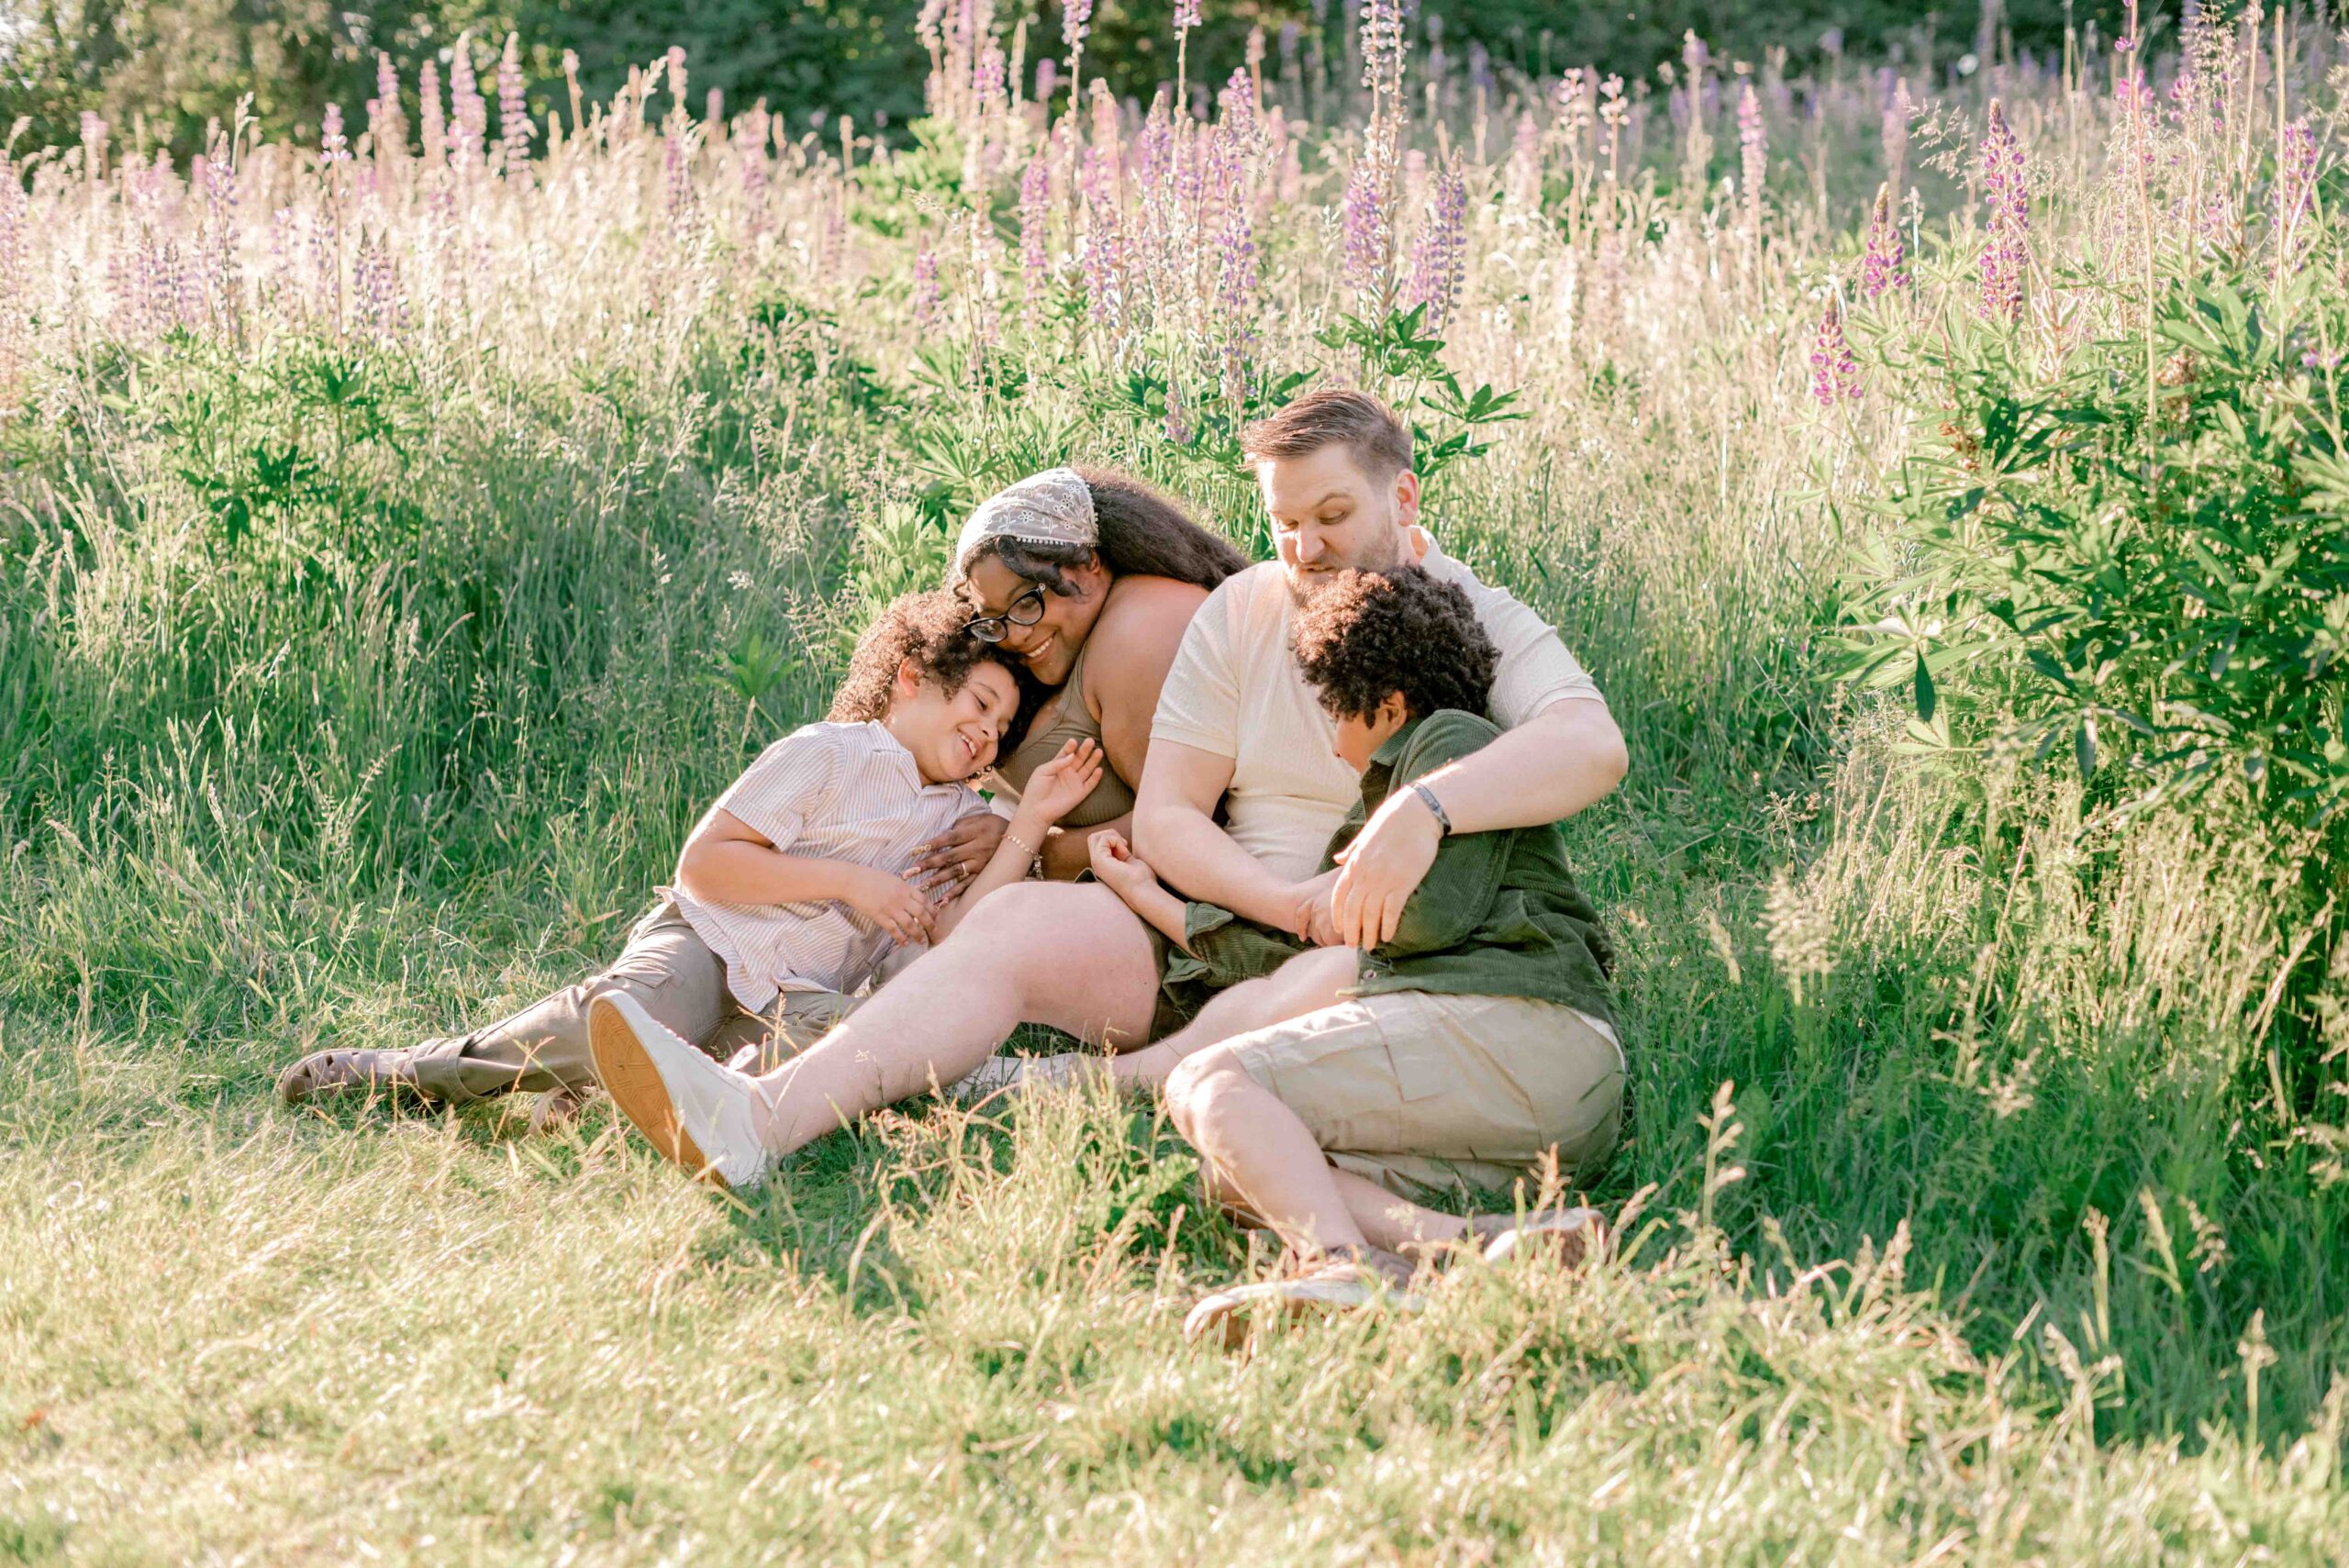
(1061, 785)
(1116, 866)
(960, 853)
(891, 902)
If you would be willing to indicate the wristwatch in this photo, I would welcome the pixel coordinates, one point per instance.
(1442, 820)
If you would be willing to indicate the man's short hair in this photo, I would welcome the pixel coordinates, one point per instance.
(1371, 633)
(1381, 444)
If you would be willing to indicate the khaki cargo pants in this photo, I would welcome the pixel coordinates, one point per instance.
(1422, 1091)
(678, 979)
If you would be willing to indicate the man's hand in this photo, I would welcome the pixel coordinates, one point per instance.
(960, 853)
(1382, 868)
(891, 902)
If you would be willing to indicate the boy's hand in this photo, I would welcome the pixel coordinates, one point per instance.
(891, 902)
(1061, 785)
(1119, 869)
(1313, 922)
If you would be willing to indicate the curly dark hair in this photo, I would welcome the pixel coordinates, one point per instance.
(1144, 533)
(1366, 634)
(924, 627)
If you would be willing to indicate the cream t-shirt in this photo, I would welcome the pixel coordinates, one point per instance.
(1235, 690)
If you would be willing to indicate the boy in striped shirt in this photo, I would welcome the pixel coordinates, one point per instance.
(792, 888)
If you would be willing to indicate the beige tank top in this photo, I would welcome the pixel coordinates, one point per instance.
(1061, 720)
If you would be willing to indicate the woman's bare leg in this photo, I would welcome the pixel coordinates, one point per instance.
(1071, 957)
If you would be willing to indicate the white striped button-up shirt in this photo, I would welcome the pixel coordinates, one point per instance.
(836, 792)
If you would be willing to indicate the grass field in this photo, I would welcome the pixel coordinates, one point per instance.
(398, 549)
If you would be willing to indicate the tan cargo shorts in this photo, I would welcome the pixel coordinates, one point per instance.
(1421, 1091)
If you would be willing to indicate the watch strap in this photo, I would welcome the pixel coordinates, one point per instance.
(1443, 818)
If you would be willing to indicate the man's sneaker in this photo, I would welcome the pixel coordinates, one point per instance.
(690, 1108)
(1376, 1279)
(1572, 1235)
(327, 1072)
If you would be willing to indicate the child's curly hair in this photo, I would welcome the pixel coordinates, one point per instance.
(924, 627)
(1369, 633)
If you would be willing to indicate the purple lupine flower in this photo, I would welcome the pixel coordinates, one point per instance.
(375, 288)
(513, 126)
(926, 286)
(1236, 103)
(2295, 193)
(1186, 15)
(1893, 133)
(1834, 375)
(1076, 22)
(1367, 223)
(333, 146)
(223, 287)
(1753, 152)
(1480, 67)
(1104, 241)
(1035, 217)
(1884, 265)
(1438, 259)
(435, 129)
(2007, 253)
(1290, 33)
(468, 110)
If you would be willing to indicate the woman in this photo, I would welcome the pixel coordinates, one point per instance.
(1089, 576)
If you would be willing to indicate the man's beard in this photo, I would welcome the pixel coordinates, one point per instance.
(1302, 585)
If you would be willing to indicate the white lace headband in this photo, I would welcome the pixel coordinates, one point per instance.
(1052, 507)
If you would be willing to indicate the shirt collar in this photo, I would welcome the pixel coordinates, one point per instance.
(1390, 751)
(889, 746)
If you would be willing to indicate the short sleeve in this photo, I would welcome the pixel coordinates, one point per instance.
(1199, 703)
(791, 780)
(1535, 669)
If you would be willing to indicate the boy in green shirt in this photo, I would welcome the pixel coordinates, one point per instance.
(1401, 663)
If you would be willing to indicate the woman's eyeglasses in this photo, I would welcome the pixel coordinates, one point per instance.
(1025, 610)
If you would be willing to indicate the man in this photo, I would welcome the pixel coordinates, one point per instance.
(1237, 723)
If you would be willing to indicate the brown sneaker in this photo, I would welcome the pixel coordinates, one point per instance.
(326, 1072)
(558, 1108)
(1373, 1279)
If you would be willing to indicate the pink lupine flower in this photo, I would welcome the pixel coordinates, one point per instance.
(467, 111)
(514, 128)
(682, 201)
(1076, 22)
(333, 146)
(435, 128)
(751, 158)
(385, 124)
(676, 62)
(375, 288)
(1439, 260)
(1047, 79)
(2007, 253)
(1754, 154)
(1186, 15)
(15, 271)
(1834, 375)
(1884, 265)
(1382, 47)
(93, 145)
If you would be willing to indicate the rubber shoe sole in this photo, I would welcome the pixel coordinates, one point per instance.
(625, 1068)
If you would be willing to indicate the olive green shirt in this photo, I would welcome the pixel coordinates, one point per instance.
(1496, 915)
